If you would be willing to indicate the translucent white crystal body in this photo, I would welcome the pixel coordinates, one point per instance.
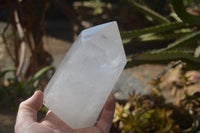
(82, 83)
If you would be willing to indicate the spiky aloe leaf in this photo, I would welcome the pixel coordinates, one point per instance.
(167, 55)
(180, 10)
(147, 11)
(175, 16)
(155, 29)
(161, 37)
(152, 38)
(185, 40)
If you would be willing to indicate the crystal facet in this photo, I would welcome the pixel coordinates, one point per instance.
(83, 81)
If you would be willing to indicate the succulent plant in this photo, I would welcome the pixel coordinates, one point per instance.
(178, 39)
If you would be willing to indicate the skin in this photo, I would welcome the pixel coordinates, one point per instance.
(26, 121)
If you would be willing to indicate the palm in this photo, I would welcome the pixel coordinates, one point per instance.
(27, 117)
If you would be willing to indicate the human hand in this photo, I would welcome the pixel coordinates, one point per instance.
(26, 121)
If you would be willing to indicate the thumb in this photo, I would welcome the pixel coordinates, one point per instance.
(28, 109)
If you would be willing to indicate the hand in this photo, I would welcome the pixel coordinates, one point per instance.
(27, 118)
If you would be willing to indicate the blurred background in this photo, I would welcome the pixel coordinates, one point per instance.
(157, 92)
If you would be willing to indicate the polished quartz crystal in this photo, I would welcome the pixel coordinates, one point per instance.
(85, 78)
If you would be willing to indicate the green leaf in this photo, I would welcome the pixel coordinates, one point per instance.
(5, 71)
(161, 37)
(147, 11)
(155, 29)
(166, 55)
(185, 40)
(39, 74)
(180, 10)
(44, 109)
(96, 5)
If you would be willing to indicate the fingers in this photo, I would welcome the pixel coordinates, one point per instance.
(28, 109)
(105, 120)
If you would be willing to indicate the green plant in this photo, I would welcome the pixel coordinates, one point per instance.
(155, 112)
(14, 91)
(142, 114)
(96, 5)
(178, 39)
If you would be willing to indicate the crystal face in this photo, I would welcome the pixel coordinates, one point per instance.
(85, 78)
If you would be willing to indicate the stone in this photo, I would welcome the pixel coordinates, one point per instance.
(79, 88)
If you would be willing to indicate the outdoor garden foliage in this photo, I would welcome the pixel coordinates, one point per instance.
(13, 90)
(156, 112)
(177, 35)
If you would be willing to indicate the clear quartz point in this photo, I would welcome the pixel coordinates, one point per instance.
(79, 88)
